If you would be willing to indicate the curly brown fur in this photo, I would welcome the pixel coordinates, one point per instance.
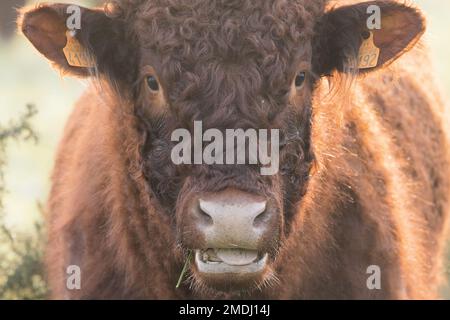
(363, 172)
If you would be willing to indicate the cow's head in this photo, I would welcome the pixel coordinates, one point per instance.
(248, 64)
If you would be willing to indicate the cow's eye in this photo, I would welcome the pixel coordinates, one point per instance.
(300, 79)
(152, 83)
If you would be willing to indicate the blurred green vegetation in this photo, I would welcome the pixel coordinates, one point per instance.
(21, 255)
(25, 166)
(25, 77)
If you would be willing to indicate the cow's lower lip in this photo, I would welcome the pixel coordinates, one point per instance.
(217, 266)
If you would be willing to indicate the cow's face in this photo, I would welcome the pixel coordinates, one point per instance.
(210, 67)
(229, 66)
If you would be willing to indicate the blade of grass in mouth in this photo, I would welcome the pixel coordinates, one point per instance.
(185, 267)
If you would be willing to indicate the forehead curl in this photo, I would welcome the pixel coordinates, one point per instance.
(202, 30)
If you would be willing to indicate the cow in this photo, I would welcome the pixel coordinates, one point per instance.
(358, 208)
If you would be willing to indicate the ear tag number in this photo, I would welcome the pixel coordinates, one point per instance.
(76, 54)
(368, 53)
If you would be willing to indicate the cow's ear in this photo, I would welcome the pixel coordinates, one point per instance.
(97, 45)
(348, 39)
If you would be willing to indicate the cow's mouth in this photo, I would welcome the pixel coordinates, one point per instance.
(230, 268)
(230, 261)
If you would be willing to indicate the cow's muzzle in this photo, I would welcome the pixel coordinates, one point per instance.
(232, 233)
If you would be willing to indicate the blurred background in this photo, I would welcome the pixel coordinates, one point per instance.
(35, 102)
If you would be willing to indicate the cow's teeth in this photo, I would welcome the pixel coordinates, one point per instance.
(237, 257)
(211, 256)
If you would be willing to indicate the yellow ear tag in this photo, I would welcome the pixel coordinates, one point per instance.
(76, 54)
(369, 53)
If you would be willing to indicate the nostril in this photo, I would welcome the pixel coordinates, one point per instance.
(261, 219)
(204, 217)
